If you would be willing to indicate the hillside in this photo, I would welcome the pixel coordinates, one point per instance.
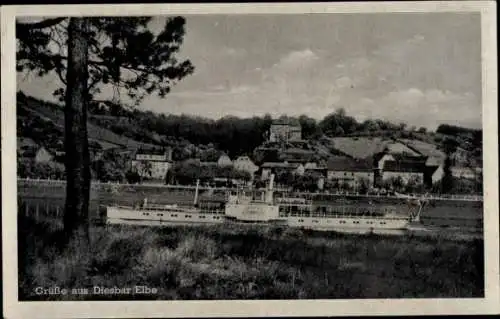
(39, 113)
(337, 134)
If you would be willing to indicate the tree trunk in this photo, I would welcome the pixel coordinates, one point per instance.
(76, 217)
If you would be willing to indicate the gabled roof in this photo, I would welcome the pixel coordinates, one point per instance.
(156, 151)
(346, 164)
(407, 167)
(409, 158)
(280, 165)
(399, 157)
(243, 158)
(208, 164)
(286, 121)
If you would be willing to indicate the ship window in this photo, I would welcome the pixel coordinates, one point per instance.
(159, 214)
(188, 216)
(382, 223)
(315, 221)
(145, 214)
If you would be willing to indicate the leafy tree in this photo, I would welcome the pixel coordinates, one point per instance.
(447, 182)
(310, 128)
(110, 167)
(338, 123)
(364, 185)
(87, 54)
(414, 185)
(145, 169)
(132, 176)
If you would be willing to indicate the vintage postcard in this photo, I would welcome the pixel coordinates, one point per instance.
(238, 160)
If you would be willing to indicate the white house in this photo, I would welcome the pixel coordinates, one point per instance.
(224, 161)
(284, 130)
(433, 174)
(350, 171)
(272, 167)
(151, 164)
(464, 172)
(406, 170)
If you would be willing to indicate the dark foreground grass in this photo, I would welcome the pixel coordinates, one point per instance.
(231, 262)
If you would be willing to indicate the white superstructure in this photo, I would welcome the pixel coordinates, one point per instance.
(245, 207)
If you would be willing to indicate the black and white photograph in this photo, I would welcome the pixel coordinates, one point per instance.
(250, 154)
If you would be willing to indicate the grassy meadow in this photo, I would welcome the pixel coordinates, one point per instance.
(232, 262)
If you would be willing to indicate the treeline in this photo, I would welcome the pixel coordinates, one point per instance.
(240, 136)
(233, 135)
(458, 130)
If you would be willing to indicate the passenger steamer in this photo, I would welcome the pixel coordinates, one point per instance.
(245, 207)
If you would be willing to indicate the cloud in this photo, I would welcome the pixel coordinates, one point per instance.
(296, 59)
(233, 52)
(428, 108)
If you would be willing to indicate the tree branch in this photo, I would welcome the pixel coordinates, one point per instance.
(39, 25)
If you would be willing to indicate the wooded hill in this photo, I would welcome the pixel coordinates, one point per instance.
(113, 126)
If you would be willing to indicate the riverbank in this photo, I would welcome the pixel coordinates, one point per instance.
(221, 262)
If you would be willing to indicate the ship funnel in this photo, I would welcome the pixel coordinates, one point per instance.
(196, 192)
(271, 182)
(269, 193)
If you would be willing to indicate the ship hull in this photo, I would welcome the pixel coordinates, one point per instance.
(126, 215)
(179, 217)
(350, 225)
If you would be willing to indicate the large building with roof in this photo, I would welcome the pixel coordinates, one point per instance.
(153, 164)
(269, 168)
(350, 171)
(405, 170)
(283, 130)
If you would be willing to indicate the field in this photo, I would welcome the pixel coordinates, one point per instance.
(363, 147)
(227, 262)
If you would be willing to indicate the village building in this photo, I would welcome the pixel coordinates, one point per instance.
(381, 158)
(315, 167)
(269, 168)
(29, 150)
(406, 170)
(283, 130)
(297, 155)
(224, 161)
(350, 171)
(433, 174)
(465, 172)
(244, 163)
(153, 164)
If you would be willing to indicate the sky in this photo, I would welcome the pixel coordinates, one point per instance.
(423, 69)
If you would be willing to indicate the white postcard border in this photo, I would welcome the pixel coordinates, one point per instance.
(488, 305)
